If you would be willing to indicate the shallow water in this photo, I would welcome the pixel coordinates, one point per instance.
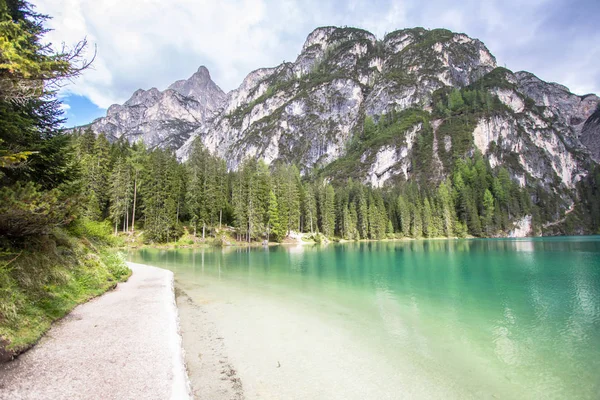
(513, 318)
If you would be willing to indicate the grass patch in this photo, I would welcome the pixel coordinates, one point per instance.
(44, 277)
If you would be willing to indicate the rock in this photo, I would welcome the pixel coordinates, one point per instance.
(310, 112)
(590, 135)
(164, 119)
(522, 228)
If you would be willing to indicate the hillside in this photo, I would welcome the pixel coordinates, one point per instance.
(403, 108)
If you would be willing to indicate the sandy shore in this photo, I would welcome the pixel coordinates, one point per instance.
(211, 374)
(122, 345)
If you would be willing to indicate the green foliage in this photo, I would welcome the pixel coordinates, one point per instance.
(497, 78)
(25, 61)
(30, 115)
(162, 191)
(26, 209)
(476, 101)
(389, 130)
(326, 209)
(588, 210)
(44, 277)
(44, 270)
(460, 133)
(205, 195)
(286, 179)
(98, 232)
(121, 186)
(275, 229)
(262, 202)
(400, 77)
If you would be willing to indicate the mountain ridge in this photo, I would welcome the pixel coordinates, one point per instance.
(452, 98)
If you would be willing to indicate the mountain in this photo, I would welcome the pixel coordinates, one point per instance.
(307, 111)
(590, 135)
(403, 108)
(167, 118)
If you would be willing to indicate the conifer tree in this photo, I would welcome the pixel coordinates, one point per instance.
(447, 208)
(275, 230)
(404, 216)
(427, 220)
(310, 207)
(120, 188)
(488, 211)
(362, 214)
(326, 203)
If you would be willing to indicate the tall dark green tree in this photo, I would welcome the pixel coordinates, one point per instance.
(160, 194)
(30, 121)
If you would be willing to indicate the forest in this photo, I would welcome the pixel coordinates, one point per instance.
(51, 258)
(138, 188)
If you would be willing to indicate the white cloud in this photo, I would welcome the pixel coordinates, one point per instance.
(152, 43)
(145, 43)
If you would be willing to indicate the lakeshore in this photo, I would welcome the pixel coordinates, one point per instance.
(344, 321)
(379, 319)
(123, 344)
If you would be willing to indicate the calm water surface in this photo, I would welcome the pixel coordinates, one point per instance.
(510, 318)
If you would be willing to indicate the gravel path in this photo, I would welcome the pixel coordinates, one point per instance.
(122, 345)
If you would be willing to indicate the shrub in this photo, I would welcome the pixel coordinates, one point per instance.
(97, 231)
(26, 209)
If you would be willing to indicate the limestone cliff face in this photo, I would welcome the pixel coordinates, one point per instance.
(312, 112)
(307, 111)
(590, 135)
(167, 118)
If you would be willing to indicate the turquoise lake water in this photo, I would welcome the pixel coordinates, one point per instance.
(508, 318)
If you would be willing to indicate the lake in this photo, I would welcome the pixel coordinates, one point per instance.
(497, 318)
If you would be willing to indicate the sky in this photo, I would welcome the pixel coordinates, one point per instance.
(152, 43)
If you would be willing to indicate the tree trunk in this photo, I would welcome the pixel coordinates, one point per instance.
(203, 230)
(134, 198)
(220, 217)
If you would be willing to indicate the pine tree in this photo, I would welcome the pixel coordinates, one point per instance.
(455, 100)
(287, 181)
(427, 219)
(310, 207)
(416, 227)
(353, 222)
(447, 208)
(404, 216)
(326, 206)
(488, 212)
(120, 192)
(239, 205)
(137, 159)
(96, 171)
(275, 230)
(363, 214)
(160, 194)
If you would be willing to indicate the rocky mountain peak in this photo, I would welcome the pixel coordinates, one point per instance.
(203, 72)
(198, 85)
(590, 134)
(143, 97)
(164, 118)
(379, 110)
(570, 109)
(328, 35)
